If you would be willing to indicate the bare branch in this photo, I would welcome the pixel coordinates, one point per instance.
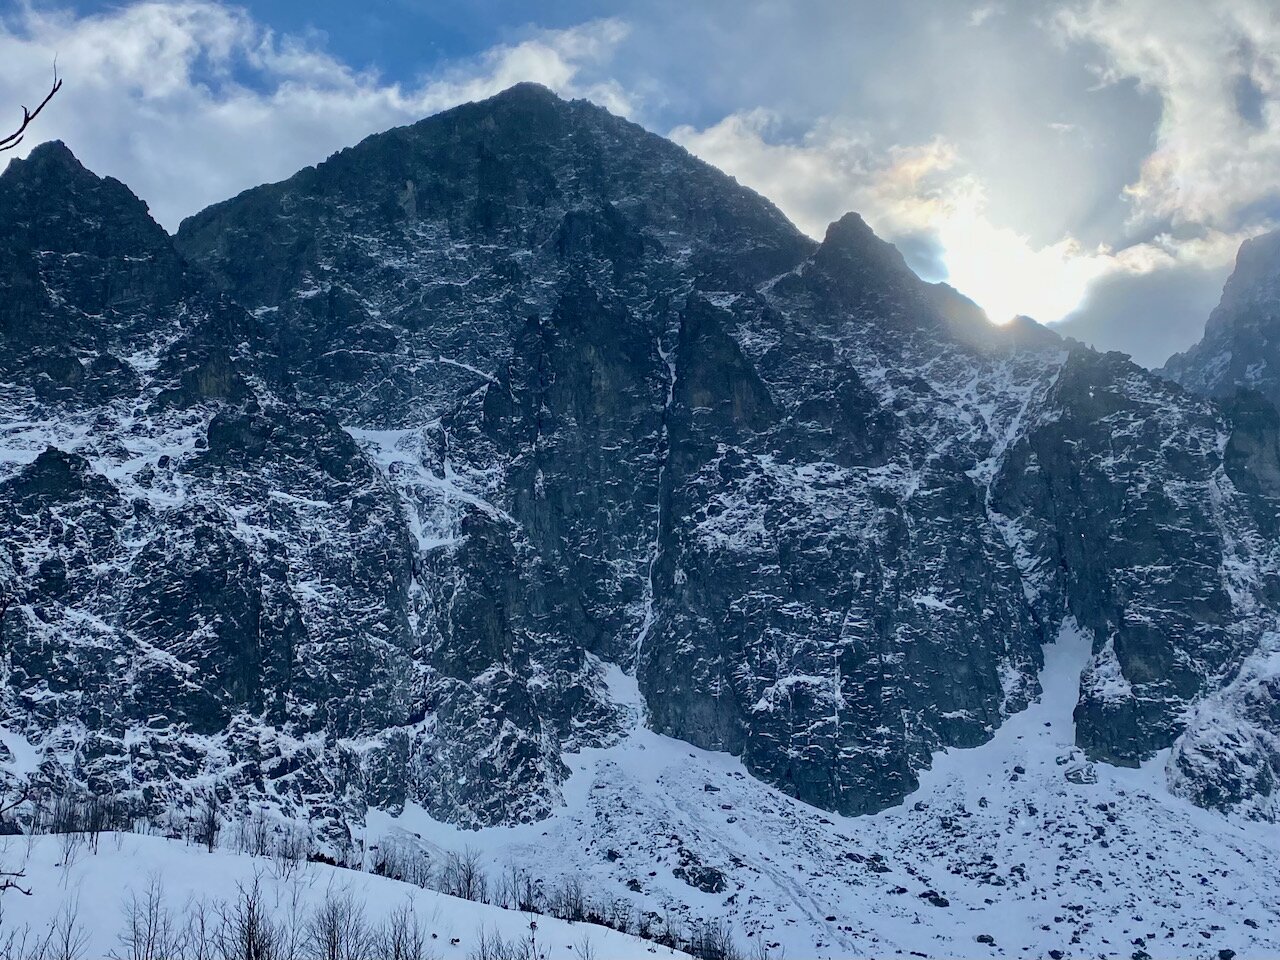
(15, 138)
(9, 881)
(23, 796)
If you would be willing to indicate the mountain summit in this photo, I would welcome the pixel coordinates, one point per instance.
(1241, 343)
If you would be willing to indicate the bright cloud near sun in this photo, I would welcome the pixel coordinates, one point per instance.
(904, 191)
(1005, 274)
(923, 192)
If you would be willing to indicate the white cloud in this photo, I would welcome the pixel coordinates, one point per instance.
(981, 14)
(1216, 68)
(830, 170)
(924, 189)
(191, 102)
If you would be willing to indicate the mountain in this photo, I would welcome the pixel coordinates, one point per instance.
(366, 499)
(1241, 343)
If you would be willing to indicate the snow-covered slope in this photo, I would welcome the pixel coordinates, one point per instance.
(1021, 839)
(93, 889)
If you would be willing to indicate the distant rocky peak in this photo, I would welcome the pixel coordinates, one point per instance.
(1257, 271)
(53, 171)
(1241, 343)
(850, 242)
(50, 157)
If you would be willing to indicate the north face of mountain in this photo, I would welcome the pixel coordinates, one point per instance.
(406, 454)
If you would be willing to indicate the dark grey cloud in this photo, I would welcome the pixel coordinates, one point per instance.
(1148, 316)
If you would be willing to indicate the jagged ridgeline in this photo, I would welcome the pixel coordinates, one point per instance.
(354, 493)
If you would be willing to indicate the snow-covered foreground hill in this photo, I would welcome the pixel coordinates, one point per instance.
(94, 888)
(1020, 840)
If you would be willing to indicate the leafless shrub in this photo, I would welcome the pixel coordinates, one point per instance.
(150, 930)
(338, 929)
(516, 889)
(22, 944)
(463, 876)
(244, 930)
(254, 835)
(402, 862)
(401, 937)
(713, 940)
(69, 845)
(760, 950)
(67, 938)
(208, 822)
(289, 851)
(493, 946)
(568, 901)
(198, 932)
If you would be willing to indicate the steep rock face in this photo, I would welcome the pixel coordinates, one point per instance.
(830, 599)
(169, 610)
(1241, 343)
(1229, 756)
(1119, 490)
(429, 433)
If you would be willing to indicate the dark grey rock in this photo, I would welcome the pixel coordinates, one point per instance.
(353, 488)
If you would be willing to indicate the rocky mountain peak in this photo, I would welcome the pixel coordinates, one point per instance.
(51, 186)
(1241, 343)
(45, 157)
(88, 275)
(851, 243)
(1257, 269)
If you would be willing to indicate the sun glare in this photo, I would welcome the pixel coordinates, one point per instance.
(1002, 272)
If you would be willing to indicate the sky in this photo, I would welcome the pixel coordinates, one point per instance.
(1094, 164)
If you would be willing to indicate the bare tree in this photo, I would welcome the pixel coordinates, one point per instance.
(67, 937)
(713, 940)
(12, 879)
(338, 929)
(150, 931)
(463, 876)
(401, 937)
(15, 138)
(244, 930)
(198, 935)
(209, 822)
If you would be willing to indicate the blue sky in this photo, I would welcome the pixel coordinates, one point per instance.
(1089, 162)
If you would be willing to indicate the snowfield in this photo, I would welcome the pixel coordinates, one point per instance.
(94, 888)
(1020, 840)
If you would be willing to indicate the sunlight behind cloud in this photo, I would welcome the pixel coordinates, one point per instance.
(923, 190)
(1004, 274)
